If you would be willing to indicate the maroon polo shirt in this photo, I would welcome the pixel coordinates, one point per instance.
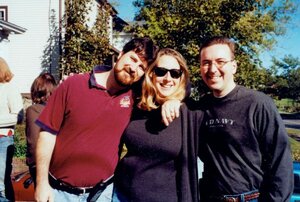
(88, 123)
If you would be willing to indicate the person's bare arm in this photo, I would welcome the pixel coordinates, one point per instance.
(44, 150)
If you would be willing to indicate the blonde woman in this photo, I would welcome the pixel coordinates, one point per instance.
(161, 163)
(11, 111)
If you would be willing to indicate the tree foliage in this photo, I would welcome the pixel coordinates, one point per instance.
(183, 25)
(286, 77)
(84, 46)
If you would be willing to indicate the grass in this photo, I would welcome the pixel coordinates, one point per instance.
(288, 105)
(295, 145)
(20, 141)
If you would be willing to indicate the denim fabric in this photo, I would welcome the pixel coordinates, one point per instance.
(118, 197)
(59, 196)
(6, 154)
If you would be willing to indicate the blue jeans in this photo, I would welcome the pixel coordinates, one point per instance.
(118, 197)
(59, 196)
(6, 155)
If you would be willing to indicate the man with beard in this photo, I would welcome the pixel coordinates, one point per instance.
(82, 125)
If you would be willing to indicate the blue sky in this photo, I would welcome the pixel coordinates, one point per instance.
(287, 44)
(125, 9)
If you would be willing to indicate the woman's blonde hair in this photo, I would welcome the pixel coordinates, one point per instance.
(5, 74)
(150, 99)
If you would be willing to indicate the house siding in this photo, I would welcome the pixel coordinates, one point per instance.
(24, 52)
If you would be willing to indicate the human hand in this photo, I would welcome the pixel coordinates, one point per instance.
(170, 111)
(44, 193)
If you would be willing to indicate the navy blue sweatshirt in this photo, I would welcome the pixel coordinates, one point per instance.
(244, 146)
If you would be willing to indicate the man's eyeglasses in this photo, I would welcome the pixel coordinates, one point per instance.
(218, 63)
(161, 71)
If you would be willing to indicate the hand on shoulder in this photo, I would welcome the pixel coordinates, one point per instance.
(170, 111)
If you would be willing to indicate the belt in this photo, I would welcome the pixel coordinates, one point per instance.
(247, 197)
(237, 198)
(60, 185)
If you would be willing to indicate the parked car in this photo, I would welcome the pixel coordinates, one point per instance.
(296, 194)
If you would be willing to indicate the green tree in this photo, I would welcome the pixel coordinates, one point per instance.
(287, 74)
(84, 46)
(183, 25)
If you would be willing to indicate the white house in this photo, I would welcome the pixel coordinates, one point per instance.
(26, 29)
(119, 36)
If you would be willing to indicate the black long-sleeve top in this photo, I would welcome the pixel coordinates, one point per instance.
(160, 164)
(244, 146)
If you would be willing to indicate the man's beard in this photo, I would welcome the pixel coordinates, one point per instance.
(123, 80)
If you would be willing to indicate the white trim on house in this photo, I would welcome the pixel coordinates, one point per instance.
(11, 28)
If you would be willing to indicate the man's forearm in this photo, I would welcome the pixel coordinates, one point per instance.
(44, 150)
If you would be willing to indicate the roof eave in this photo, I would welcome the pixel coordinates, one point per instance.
(10, 27)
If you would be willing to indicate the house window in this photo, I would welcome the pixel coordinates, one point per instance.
(3, 13)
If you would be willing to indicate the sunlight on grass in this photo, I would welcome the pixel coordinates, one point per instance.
(295, 145)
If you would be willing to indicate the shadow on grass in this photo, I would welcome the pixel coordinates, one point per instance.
(290, 116)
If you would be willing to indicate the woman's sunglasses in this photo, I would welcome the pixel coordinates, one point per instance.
(160, 71)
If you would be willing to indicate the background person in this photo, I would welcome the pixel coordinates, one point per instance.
(11, 113)
(41, 89)
(243, 144)
(160, 163)
(83, 122)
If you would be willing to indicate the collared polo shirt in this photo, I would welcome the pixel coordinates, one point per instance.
(88, 122)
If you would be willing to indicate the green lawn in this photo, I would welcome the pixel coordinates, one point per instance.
(288, 105)
(295, 145)
(20, 141)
